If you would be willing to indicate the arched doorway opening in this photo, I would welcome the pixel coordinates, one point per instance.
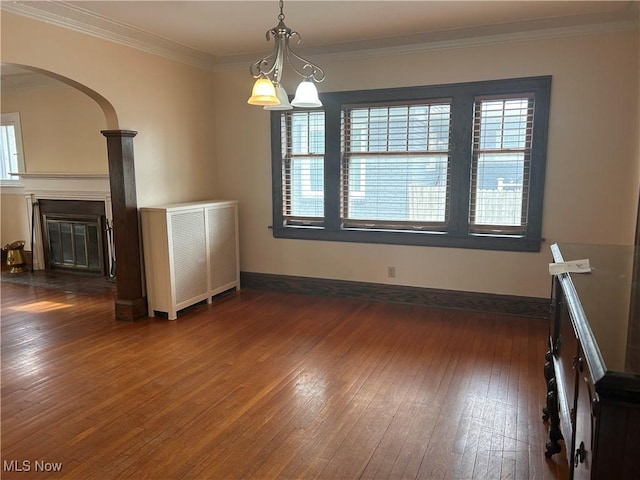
(130, 302)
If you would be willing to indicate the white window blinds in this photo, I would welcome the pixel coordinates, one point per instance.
(501, 164)
(303, 167)
(395, 165)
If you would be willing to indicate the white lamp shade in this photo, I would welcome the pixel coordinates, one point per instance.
(264, 93)
(284, 100)
(306, 95)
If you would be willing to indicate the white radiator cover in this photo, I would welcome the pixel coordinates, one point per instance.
(191, 253)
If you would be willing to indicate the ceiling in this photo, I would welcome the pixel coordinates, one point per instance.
(231, 28)
(223, 34)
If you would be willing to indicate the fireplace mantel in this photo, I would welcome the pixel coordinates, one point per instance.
(62, 186)
(67, 186)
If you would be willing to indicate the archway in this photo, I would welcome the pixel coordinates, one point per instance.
(130, 302)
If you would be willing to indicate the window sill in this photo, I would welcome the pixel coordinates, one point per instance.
(511, 243)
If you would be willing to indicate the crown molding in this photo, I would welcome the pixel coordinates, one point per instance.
(463, 38)
(492, 39)
(75, 18)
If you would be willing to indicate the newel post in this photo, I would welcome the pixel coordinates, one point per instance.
(130, 303)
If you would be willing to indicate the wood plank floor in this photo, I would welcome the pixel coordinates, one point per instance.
(263, 385)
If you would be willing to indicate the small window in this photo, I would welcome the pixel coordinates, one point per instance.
(11, 149)
(502, 133)
(303, 167)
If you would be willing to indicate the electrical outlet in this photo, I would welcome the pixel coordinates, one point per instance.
(391, 272)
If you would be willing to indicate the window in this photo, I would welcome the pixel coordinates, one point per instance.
(394, 169)
(303, 167)
(10, 148)
(457, 165)
(502, 133)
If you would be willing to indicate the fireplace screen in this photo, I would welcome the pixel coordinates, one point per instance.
(74, 242)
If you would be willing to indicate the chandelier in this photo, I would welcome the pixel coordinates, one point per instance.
(268, 90)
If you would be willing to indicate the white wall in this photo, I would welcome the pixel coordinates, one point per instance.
(14, 218)
(592, 171)
(60, 130)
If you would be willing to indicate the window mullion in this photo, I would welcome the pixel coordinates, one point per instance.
(538, 161)
(276, 168)
(459, 164)
(332, 186)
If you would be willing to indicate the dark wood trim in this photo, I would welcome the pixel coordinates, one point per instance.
(130, 310)
(419, 239)
(452, 299)
(638, 224)
(130, 303)
(633, 337)
(458, 233)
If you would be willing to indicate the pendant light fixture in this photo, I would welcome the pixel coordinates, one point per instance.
(268, 90)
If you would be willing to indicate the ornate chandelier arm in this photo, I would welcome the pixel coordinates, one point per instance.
(261, 67)
(309, 69)
(281, 36)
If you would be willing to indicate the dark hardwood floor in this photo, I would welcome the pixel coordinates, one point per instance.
(265, 385)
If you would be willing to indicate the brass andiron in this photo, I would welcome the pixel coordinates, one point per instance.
(16, 258)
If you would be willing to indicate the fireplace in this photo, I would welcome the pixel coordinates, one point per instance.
(70, 218)
(74, 235)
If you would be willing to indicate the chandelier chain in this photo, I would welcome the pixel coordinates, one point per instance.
(281, 16)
